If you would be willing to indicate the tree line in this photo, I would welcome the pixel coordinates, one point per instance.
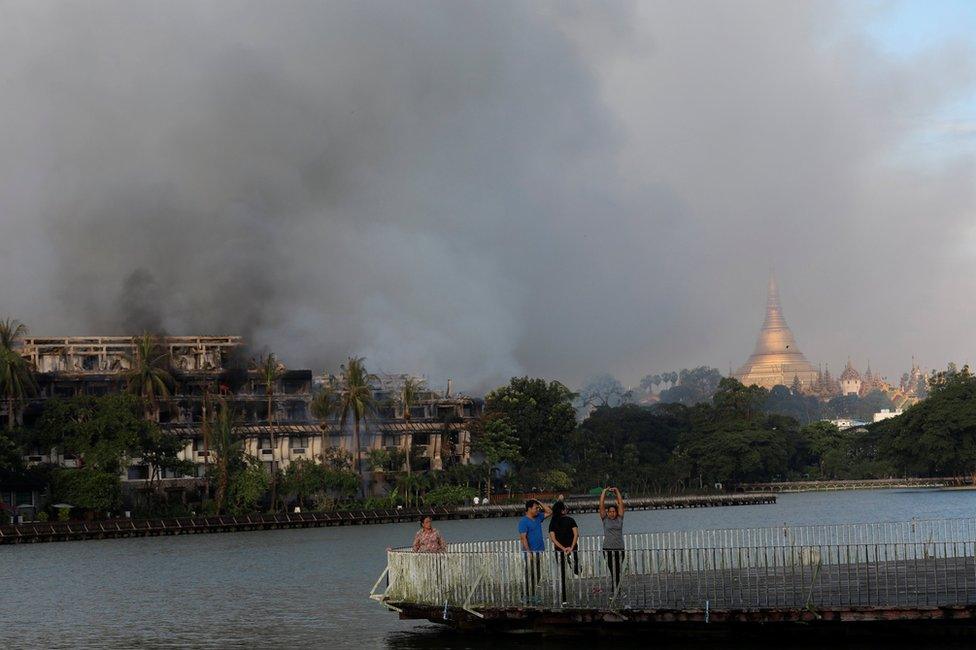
(691, 386)
(714, 431)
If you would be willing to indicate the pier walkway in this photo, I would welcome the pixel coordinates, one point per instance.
(856, 484)
(921, 570)
(79, 530)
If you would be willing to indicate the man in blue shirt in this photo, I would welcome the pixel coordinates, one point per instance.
(533, 545)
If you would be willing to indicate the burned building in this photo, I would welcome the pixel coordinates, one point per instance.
(436, 429)
(206, 368)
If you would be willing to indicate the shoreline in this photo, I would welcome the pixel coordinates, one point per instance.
(951, 482)
(38, 532)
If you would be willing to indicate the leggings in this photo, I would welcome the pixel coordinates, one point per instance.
(533, 571)
(615, 559)
(563, 561)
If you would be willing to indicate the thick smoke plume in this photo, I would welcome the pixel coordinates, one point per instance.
(482, 189)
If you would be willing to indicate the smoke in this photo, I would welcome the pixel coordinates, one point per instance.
(139, 305)
(478, 190)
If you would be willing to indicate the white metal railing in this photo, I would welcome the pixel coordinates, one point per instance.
(918, 562)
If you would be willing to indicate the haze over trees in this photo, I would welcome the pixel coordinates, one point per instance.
(703, 430)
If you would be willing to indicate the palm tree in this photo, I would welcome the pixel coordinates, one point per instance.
(408, 398)
(270, 371)
(357, 400)
(149, 376)
(226, 446)
(352, 398)
(16, 373)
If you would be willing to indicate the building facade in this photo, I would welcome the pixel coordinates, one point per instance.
(211, 368)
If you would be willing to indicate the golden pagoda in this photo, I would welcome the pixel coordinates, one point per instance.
(776, 360)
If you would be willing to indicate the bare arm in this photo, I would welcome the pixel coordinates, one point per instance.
(525, 541)
(547, 510)
(603, 503)
(572, 546)
(620, 502)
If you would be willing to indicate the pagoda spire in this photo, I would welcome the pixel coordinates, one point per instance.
(776, 358)
(774, 312)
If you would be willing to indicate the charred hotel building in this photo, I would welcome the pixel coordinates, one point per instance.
(207, 367)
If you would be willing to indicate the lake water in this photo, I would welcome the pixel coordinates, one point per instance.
(296, 588)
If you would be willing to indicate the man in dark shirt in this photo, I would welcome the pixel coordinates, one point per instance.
(564, 535)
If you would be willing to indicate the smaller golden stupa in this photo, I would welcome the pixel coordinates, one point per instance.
(776, 360)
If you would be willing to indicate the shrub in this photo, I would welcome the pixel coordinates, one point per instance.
(87, 488)
(450, 495)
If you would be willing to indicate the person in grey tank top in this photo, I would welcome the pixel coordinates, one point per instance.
(613, 533)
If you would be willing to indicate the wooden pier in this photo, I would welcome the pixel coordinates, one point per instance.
(856, 484)
(114, 528)
(921, 572)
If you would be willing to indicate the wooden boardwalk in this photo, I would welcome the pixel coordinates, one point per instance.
(117, 528)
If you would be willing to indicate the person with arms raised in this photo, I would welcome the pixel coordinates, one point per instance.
(613, 533)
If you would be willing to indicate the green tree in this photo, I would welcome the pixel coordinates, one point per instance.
(336, 459)
(936, 437)
(10, 456)
(378, 460)
(412, 486)
(694, 386)
(103, 432)
(793, 403)
(309, 482)
(248, 484)
(555, 480)
(160, 452)
(732, 400)
(737, 452)
(269, 371)
(829, 447)
(303, 478)
(543, 417)
(16, 373)
(495, 439)
(87, 487)
(611, 442)
(149, 374)
(449, 495)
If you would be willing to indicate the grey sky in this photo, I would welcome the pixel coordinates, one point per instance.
(478, 190)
